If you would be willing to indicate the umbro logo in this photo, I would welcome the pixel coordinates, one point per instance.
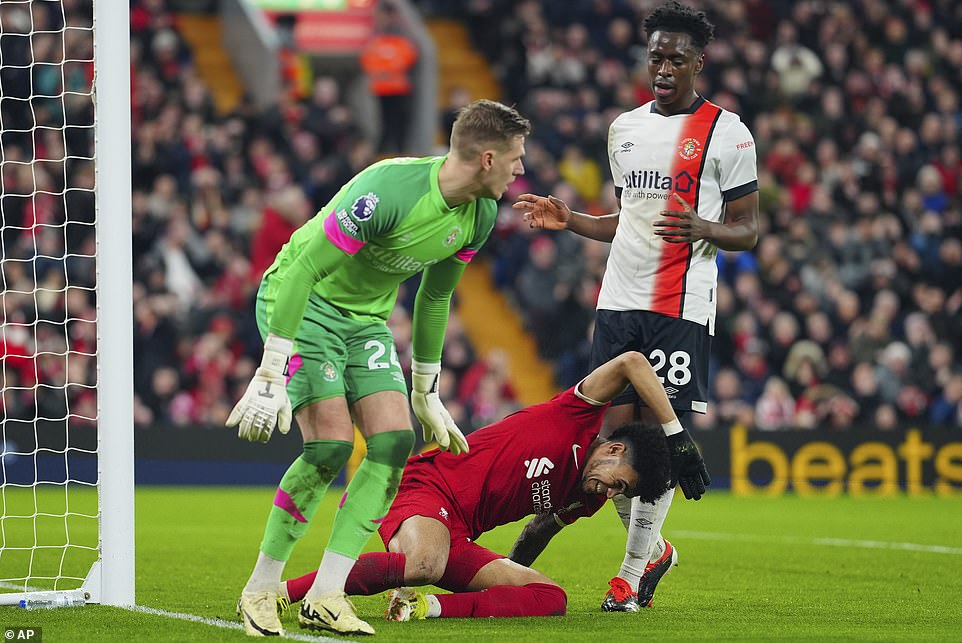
(538, 467)
(670, 390)
(627, 145)
(644, 523)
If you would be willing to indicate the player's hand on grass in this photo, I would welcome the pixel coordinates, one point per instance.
(265, 403)
(435, 419)
(688, 468)
(543, 213)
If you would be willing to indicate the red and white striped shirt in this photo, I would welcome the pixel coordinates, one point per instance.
(707, 156)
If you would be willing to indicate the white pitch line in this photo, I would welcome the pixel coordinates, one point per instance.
(194, 618)
(828, 542)
(227, 625)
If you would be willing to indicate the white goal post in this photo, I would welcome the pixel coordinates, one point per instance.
(66, 400)
(115, 372)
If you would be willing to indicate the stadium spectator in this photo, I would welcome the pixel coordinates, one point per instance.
(783, 332)
(287, 211)
(457, 98)
(388, 60)
(797, 66)
(295, 65)
(892, 370)
(486, 390)
(946, 409)
(582, 173)
(805, 366)
(178, 252)
(753, 368)
(732, 407)
(775, 408)
(538, 288)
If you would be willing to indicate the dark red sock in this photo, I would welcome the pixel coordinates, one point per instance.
(373, 573)
(534, 599)
(297, 587)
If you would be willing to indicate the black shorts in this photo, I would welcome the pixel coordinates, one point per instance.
(678, 350)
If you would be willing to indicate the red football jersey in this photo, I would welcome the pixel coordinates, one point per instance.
(530, 462)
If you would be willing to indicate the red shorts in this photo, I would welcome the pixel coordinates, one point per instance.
(418, 495)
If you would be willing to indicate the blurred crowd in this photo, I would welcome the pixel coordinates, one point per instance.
(849, 310)
(47, 267)
(214, 198)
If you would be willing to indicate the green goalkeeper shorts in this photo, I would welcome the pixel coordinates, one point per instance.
(335, 355)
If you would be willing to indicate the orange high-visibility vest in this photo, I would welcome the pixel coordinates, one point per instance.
(386, 60)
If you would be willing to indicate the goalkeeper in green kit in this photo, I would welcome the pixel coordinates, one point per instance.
(330, 358)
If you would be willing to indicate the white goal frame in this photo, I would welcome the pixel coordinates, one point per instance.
(110, 580)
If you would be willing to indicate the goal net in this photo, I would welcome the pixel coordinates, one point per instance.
(66, 448)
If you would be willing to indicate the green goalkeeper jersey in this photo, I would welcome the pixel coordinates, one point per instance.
(385, 225)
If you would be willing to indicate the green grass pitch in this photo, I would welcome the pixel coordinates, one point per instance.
(749, 569)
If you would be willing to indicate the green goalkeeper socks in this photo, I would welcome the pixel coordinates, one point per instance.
(371, 492)
(300, 492)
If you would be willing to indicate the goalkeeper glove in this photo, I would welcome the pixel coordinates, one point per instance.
(435, 419)
(265, 403)
(688, 468)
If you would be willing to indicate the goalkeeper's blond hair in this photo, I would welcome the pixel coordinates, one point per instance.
(484, 124)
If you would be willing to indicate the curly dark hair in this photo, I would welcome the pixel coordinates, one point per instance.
(674, 16)
(648, 455)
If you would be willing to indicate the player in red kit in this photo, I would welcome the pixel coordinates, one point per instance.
(547, 460)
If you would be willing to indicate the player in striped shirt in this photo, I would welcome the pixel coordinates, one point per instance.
(329, 356)
(685, 177)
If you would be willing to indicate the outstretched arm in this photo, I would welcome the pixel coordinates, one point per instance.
(551, 213)
(534, 538)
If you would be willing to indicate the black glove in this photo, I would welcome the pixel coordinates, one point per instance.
(687, 466)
